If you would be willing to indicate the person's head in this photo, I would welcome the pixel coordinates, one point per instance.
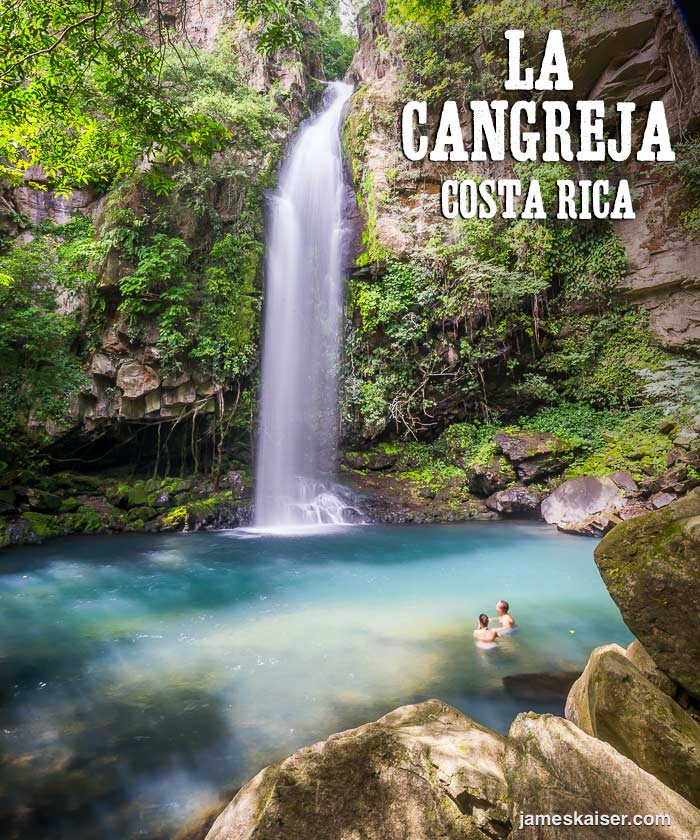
(483, 621)
(502, 607)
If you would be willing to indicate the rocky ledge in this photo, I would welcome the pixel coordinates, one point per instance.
(33, 509)
(525, 474)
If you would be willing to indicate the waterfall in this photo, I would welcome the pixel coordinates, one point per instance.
(304, 283)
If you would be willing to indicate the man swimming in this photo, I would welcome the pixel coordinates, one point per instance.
(482, 632)
(506, 619)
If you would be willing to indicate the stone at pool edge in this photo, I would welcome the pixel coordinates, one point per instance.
(651, 567)
(428, 771)
(615, 702)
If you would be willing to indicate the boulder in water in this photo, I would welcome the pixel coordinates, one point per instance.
(614, 701)
(651, 567)
(545, 685)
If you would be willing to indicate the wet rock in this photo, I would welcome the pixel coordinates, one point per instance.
(485, 479)
(136, 379)
(162, 500)
(546, 685)
(651, 567)
(554, 767)
(615, 702)
(578, 499)
(631, 509)
(517, 499)
(235, 481)
(423, 771)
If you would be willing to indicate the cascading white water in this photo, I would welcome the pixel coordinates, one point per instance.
(306, 246)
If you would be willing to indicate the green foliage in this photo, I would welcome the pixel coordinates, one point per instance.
(383, 303)
(675, 386)
(336, 47)
(687, 168)
(84, 95)
(227, 326)
(39, 372)
(440, 61)
(636, 447)
(601, 359)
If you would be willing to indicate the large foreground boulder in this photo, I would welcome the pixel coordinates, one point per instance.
(554, 768)
(428, 772)
(614, 701)
(424, 771)
(651, 567)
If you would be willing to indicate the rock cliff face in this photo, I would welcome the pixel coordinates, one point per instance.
(126, 379)
(637, 54)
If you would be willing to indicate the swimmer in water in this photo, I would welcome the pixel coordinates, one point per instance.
(506, 619)
(482, 632)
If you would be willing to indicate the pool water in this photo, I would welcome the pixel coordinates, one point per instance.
(142, 674)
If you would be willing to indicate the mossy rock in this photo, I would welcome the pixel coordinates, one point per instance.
(175, 519)
(85, 520)
(143, 513)
(175, 485)
(117, 494)
(137, 495)
(651, 567)
(4, 534)
(69, 505)
(43, 500)
(42, 526)
(128, 495)
(116, 518)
